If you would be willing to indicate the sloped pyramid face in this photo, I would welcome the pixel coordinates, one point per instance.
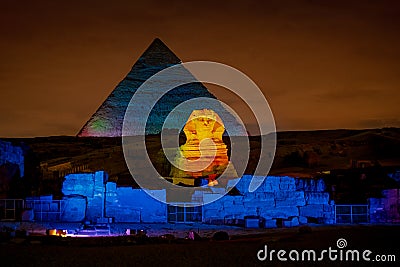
(107, 121)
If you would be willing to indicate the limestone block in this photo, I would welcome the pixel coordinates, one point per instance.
(259, 204)
(258, 180)
(111, 196)
(377, 210)
(238, 200)
(303, 220)
(232, 183)
(94, 208)
(100, 178)
(210, 197)
(329, 217)
(310, 185)
(270, 224)
(234, 209)
(126, 214)
(54, 207)
(79, 184)
(12, 154)
(243, 184)
(159, 194)
(328, 208)
(293, 222)
(112, 210)
(279, 212)
(299, 184)
(287, 183)
(218, 190)
(317, 198)
(313, 210)
(251, 212)
(28, 215)
(227, 203)
(75, 209)
(289, 198)
(197, 196)
(252, 222)
(271, 184)
(329, 221)
(287, 187)
(214, 205)
(157, 214)
(136, 203)
(237, 211)
(213, 213)
(111, 199)
(68, 187)
(250, 197)
(257, 196)
(320, 185)
(111, 187)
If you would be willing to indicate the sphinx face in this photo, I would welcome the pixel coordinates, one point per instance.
(204, 154)
(204, 126)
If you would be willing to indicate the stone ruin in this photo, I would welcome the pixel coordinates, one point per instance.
(387, 208)
(279, 202)
(13, 155)
(12, 166)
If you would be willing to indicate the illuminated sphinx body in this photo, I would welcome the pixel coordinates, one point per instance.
(204, 155)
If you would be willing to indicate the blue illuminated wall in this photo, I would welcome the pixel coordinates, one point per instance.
(387, 208)
(12, 154)
(105, 199)
(126, 204)
(293, 201)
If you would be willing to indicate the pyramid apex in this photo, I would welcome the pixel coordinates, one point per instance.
(158, 40)
(159, 53)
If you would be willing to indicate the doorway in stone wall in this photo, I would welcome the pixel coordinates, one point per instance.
(184, 213)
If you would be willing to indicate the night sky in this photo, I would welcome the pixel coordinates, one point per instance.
(320, 64)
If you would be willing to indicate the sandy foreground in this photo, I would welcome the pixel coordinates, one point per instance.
(240, 250)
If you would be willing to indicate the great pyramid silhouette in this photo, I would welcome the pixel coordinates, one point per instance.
(107, 121)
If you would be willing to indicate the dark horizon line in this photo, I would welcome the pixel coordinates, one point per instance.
(283, 131)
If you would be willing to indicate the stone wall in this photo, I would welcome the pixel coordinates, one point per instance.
(387, 208)
(71, 208)
(105, 199)
(74, 208)
(126, 204)
(12, 154)
(91, 186)
(279, 200)
(288, 200)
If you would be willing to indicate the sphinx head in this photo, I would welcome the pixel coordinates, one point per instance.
(203, 124)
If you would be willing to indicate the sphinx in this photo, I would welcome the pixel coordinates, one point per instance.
(204, 154)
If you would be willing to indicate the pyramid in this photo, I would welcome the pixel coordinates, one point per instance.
(107, 121)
